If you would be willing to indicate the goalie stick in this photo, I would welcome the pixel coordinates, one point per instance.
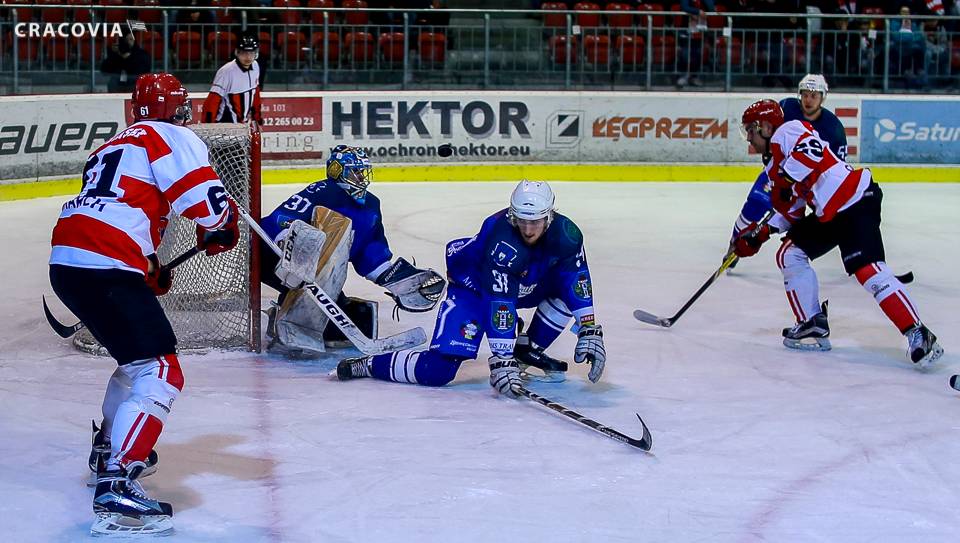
(404, 340)
(65, 331)
(644, 443)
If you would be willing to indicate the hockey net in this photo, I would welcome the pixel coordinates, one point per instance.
(215, 301)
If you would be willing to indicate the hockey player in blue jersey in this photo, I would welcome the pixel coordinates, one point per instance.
(320, 229)
(524, 256)
(807, 106)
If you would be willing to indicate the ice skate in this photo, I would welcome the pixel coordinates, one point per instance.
(922, 348)
(547, 369)
(100, 453)
(353, 368)
(810, 335)
(122, 507)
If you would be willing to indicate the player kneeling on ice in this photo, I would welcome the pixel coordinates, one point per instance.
(524, 256)
(104, 267)
(846, 204)
(320, 229)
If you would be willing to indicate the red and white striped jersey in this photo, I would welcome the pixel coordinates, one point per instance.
(129, 186)
(803, 163)
(234, 96)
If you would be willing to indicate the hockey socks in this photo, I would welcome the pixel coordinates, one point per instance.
(799, 281)
(428, 368)
(890, 293)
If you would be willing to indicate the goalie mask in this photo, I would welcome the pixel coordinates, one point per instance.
(350, 168)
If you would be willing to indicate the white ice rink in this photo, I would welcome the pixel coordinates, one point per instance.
(751, 442)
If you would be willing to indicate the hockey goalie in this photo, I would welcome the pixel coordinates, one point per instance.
(320, 230)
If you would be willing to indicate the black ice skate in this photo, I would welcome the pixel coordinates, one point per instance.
(122, 507)
(531, 355)
(923, 348)
(100, 453)
(354, 368)
(810, 335)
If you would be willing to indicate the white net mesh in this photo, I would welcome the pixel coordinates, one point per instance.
(211, 305)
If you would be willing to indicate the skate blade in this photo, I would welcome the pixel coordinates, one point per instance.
(808, 344)
(543, 376)
(117, 525)
(928, 361)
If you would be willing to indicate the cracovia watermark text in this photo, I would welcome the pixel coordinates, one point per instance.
(67, 30)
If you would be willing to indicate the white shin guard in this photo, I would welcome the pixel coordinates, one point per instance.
(799, 281)
(139, 419)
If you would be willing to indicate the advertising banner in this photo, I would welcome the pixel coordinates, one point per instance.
(911, 132)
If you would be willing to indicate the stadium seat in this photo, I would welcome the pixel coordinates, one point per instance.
(316, 14)
(23, 14)
(220, 45)
(955, 54)
(81, 13)
(117, 12)
(391, 46)
(558, 49)
(288, 16)
(588, 20)
(597, 49)
(736, 51)
(664, 49)
(658, 20)
(554, 20)
(433, 47)
(149, 16)
(83, 50)
(620, 20)
(631, 50)
(187, 47)
(292, 45)
(333, 45)
(361, 46)
(266, 46)
(717, 21)
(795, 51)
(56, 49)
(50, 14)
(356, 18)
(151, 42)
(222, 15)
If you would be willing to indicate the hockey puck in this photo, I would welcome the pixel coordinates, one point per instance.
(955, 382)
(445, 150)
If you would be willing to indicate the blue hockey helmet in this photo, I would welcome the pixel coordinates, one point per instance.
(350, 168)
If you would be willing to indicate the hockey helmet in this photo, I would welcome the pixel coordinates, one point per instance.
(763, 110)
(161, 97)
(350, 168)
(813, 82)
(530, 201)
(248, 42)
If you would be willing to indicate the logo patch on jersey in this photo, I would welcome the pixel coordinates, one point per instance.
(503, 318)
(456, 246)
(582, 287)
(587, 320)
(503, 254)
(526, 290)
(469, 330)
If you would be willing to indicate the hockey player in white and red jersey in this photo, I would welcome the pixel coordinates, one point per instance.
(104, 267)
(235, 94)
(846, 214)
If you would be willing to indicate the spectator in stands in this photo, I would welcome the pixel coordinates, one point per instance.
(125, 62)
(690, 40)
(908, 45)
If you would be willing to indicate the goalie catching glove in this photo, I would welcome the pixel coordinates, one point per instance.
(413, 289)
(590, 349)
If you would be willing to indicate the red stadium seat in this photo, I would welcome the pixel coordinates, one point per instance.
(149, 16)
(220, 45)
(84, 53)
(558, 49)
(717, 21)
(333, 45)
(56, 49)
(664, 49)
(597, 49)
(589, 20)
(288, 16)
(54, 15)
(151, 42)
(658, 20)
(391, 46)
(433, 47)
(361, 46)
(266, 46)
(316, 14)
(117, 12)
(619, 20)
(292, 45)
(222, 15)
(81, 13)
(23, 14)
(554, 20)
(631, 50)
(356, 18)
(795, 50)
(186, 45)
(736, 51)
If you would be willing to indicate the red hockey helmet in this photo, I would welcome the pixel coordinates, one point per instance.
(161, 97)
(763, 110)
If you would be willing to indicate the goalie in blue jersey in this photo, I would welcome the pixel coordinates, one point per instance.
(525, 256)
(321, 229)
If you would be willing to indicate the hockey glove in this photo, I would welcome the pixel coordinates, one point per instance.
(158, 278)
(413, 289)
(750, 239)
(590, 349)
(224, 238)
(505, 375)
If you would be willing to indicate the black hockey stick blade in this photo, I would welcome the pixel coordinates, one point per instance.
(906, 278)
(61, 329)
(955, 382)
(644, 443)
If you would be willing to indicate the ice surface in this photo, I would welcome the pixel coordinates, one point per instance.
(751, 442)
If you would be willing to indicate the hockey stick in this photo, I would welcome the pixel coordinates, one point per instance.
(65, 331)
(644, 443)
(404, 340)
(650, 318)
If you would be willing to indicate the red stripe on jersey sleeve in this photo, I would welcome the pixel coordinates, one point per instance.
(89, 234)
(196, 211)
(147, 198)
(843, 194)
(141, 135)
(189, 181)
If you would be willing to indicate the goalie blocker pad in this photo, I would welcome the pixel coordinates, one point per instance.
(302, 246)
(299, 323)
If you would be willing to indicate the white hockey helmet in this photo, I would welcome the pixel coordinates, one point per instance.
(532, 200)
(813, 82)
